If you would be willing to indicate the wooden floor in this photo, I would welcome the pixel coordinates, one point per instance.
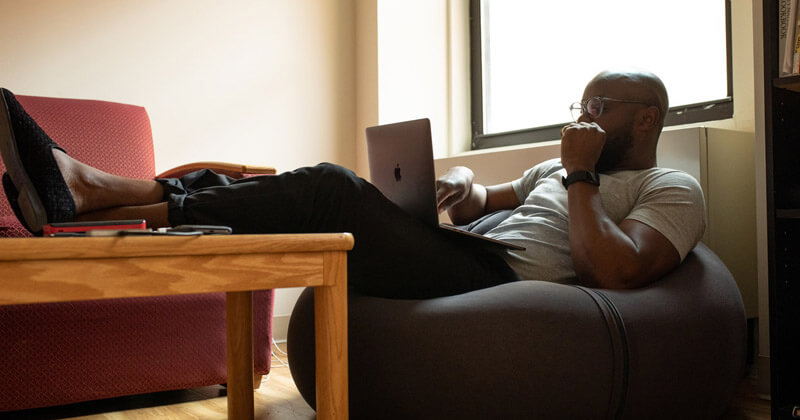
(277, 399)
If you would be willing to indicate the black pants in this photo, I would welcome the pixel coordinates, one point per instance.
(394, 254)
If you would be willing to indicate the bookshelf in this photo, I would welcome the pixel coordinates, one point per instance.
(782, 150)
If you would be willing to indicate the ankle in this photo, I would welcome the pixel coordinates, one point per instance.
(67, 167)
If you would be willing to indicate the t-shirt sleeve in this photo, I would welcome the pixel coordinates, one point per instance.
(523, 186)
(672, 203)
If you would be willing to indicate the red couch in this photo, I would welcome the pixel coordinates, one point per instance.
(54, 354)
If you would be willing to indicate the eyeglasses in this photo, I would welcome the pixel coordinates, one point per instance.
(594, 106)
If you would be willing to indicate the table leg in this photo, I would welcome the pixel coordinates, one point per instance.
(330, 322)
(239, 331)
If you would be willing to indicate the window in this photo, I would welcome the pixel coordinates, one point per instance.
(530, 60)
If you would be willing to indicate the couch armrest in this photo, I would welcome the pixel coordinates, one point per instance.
(233, 170)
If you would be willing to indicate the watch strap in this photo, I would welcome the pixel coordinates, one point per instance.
(581, 176)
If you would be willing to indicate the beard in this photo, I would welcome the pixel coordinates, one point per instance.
(617, 146)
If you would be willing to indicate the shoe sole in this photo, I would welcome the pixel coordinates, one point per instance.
(28, 200)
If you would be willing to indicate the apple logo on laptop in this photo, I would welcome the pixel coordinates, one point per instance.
(397, 175)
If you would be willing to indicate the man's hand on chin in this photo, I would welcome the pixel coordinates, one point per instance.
(581, 146)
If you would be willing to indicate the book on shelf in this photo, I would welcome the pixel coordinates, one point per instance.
(788, 38)
(796, 41)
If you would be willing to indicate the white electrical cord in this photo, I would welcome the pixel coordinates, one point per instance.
(284, 363)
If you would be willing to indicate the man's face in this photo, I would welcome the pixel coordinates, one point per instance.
(619, 142)
(616, 119)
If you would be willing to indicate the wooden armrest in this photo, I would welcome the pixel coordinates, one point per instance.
(233, 170)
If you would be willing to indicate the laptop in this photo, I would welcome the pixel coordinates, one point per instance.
(401, 167)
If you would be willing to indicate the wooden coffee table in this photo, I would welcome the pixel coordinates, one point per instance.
(37, 270)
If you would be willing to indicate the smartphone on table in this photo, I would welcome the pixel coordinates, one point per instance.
(83, 227)
(201, 229)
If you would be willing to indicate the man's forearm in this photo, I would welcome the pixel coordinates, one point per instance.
(471, 208)
(602, 254)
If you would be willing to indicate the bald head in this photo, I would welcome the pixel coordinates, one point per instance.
(632, 118)
(638, 84)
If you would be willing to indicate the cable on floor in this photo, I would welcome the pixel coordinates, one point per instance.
(284, 363)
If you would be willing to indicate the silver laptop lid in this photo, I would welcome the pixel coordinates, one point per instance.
(401, 166)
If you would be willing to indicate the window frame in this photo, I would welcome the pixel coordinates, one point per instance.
(686, 114)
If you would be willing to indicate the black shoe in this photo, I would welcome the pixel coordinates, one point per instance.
(34, 186)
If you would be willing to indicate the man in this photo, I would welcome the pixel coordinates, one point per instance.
(631, 229)
(637, 225)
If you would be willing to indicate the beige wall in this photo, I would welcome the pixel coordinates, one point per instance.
(423, 68)
(366, 78)
(262, 82)
(763, 363)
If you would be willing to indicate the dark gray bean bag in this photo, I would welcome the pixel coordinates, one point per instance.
(539, 350)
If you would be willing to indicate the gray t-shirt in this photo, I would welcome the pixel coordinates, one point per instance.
(668, 200)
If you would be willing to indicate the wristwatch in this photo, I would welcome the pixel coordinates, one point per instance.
(580, 176)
